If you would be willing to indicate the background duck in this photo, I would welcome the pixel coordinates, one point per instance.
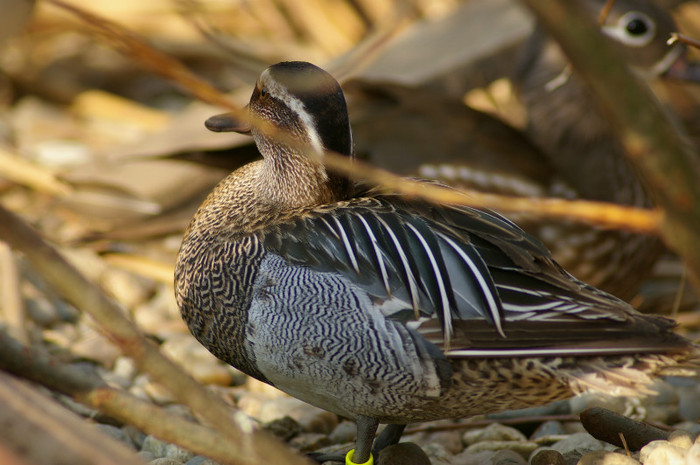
(568, 149)
(385, 309)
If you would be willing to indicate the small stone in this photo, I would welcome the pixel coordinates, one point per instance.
(307, 442)
(469, 458)
(176, 453)
(116, 433)
(524, 448)
(130, 290)
(661, 453)
(689, 403)
(693, 455)
(137, 436)
(92, 345)
(682, 439)
(437, 453)
(284, 428)
(312, 419)
(146, 456)
(548, 428)
(547, 457)
(346, 431)
(494, 432)
(197, 361)
(450, 440)
(165, 461)
(201, 460)
(122, 374)
(405, 453)
(603, 457)
(507, 457)
(155, 446)
(576, 445)
(158, 393)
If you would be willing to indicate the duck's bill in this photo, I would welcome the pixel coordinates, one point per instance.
(227, 122)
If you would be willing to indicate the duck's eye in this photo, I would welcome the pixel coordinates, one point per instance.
(634, 29)
(263, 92)
(637, 27)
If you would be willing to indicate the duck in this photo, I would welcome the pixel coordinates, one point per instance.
(388, 309)
(566, 150)
(566, 124)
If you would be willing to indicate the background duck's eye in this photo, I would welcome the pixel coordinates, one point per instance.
(637, 27)
(634, 29)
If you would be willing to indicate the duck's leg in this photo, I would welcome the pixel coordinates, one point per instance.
(366, 428)
(389, 436)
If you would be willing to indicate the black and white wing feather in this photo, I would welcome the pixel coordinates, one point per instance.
(469, 281)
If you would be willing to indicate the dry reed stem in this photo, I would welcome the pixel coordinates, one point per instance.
(89, 298)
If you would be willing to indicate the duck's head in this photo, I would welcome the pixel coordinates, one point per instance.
(641, 29)
(302, 101)
(303, 113)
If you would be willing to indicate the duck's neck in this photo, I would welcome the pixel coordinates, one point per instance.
(291, 180)
(568, 126)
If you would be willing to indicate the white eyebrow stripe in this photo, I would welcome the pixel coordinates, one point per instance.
(281, 93)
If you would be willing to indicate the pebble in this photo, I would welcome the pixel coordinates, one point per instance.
(201, 460)
(165, 461)
(130, 290)
(693, 455)
(116, 433)
(283, 428)
(689, 403)
(404, 453)
(308, 442)
(602, 457)
(177, 453)
(189, 354)
(507, 457)
(524, 448)
(682, 439)
(576, 445)
(450, 440)
(470, 458)
(93, 345)
(661, 453)
(137, 437)
(146, 456)
(154, 446)
(312, 419)
(494, 432)
(548, 428)
(547, 457)
(346, 431)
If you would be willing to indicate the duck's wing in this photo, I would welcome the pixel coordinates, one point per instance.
(469, 281)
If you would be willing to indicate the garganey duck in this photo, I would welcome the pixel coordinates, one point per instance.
(419, 131)
(567, 125)
(385, 309)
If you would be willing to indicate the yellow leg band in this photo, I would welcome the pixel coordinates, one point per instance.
(348, 459)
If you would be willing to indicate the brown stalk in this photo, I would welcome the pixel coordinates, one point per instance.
(86, 296)
(89, 390)
(602, 214)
